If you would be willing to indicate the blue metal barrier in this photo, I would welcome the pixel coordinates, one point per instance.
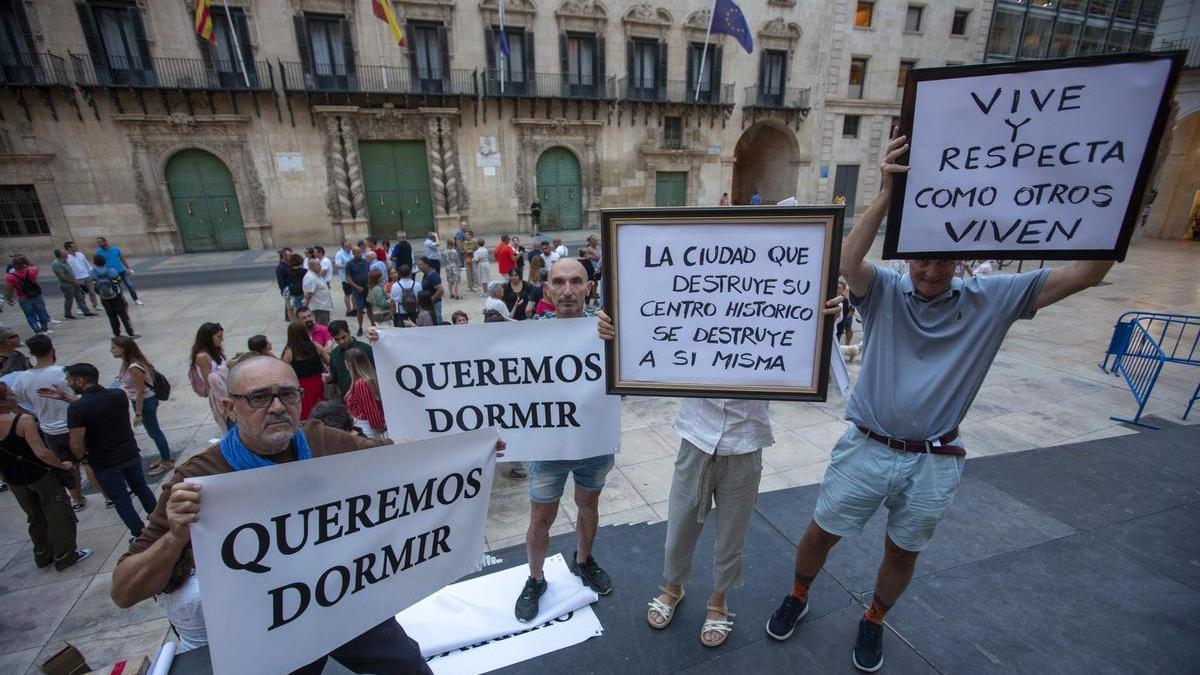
(1142, 343)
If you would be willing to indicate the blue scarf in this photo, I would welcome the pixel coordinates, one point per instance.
(240, 458)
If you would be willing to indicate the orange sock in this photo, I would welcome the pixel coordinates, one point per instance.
(800, 585)
(877, 611)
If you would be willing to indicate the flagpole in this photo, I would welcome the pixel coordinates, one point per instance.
(382, 65)
(503, 60)
(712, 15)
(237, 49)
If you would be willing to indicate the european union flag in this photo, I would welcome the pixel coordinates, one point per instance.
(727, 18)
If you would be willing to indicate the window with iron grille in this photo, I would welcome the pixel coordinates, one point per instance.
(959, 25)
(21, 212)
(850, 126)
(673, 133)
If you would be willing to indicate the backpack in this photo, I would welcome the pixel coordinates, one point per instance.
(198, 384)
(106, 287)
(408, 299)
(161, 386)
(28, 287)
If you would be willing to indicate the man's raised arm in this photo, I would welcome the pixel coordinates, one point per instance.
(854, 267)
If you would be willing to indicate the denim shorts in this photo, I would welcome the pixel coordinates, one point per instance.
(548, 478)
(916, 488)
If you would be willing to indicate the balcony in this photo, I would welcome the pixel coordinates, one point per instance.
(777, 99)
(1191, 45)
(674, 91)
(548, 85)
(323, 78)
(171, 73)
(32, 70)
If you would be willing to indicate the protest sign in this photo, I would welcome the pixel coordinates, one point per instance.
(295, 560)
(1034, 160)
(721, 302)
(540, 383)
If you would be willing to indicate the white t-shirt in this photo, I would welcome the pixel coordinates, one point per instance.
(496, 304)
(481, 255)
(80, 266)
(550, 259)
(326, 269)
(562, 251)
(397, 294)
(315, 284)
(51, 413)
(341, 258)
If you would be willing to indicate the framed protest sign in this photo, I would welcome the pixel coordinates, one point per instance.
(1040, 160)
(720, 301)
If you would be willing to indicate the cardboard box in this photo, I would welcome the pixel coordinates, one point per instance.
(68, 661)
(132, 666)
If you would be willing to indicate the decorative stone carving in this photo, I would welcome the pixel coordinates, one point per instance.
(699, 19)
(339, 174)
(646, 13)
(141, 195)
(430, 10)
(358, 193)
(182, 122)
(580, 137)
(510, 6)
(782, 3)
(778, 28)
(587, 9)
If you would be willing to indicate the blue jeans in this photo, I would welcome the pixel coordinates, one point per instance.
(129, 286)
(150, 421)
(35, 313)
(117, 481)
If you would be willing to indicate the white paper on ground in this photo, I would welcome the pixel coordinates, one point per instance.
(565, 631)
(479, 609)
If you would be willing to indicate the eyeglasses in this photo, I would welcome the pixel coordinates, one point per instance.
(263, 398)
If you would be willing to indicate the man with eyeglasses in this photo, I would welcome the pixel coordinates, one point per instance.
(264, 403)
(933, 337)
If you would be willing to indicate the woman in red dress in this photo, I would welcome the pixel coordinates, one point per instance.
(309, 361)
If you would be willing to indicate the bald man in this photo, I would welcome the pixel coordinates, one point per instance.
(567, 287)
(264, 401)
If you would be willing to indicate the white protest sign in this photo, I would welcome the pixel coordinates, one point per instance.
(1043, 160)
(297, 559)
(540, 383)
(722, 305)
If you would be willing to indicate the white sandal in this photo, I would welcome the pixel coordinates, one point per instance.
(667, 612)
(722, 626)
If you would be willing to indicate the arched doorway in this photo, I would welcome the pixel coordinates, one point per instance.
(205, 203)
(766, 157)
(558, 190)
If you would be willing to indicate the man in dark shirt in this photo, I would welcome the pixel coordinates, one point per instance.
(430, 281)
(283, 274)
(357, 272)
(338, 372)
(102, 436)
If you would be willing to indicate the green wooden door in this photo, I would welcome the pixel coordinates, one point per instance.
(670, 188)
(205, 203)
(558, 189)
(396, 180)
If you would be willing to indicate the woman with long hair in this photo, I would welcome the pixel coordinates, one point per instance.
(309, 361)
(259, 344)
(208, 369)
(425, 310)
(137, 379)
(516, 295)
(536, 264)
(378, 302)
(363, 400)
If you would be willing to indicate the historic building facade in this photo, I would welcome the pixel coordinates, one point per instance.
(305, 122)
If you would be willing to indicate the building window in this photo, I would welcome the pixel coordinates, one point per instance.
(21, 212)
(326, 51)
(117, 43)
(1148, 16)
(1126, 9)
(1065, 37)
(1037, 35)
(1100, 8)
(514, 69)
(772, 77)
(858, 77)
(429, 56)
(902, 74)
(672, 133)
(850, 126)
(959, 25)
(1092, 41)
(710, 75)
(234, 67)
(643, 68)
(863, 14)
(582, 62)
(1005, 34)
(912, 19)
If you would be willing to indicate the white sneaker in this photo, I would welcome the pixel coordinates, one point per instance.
(55, 321)
(138, 302)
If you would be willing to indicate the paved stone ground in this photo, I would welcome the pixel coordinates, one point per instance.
(1044, 390)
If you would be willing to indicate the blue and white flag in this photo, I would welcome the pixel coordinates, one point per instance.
(727, 18)
(503, 32)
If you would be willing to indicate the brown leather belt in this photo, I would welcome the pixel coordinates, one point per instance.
(928, 447)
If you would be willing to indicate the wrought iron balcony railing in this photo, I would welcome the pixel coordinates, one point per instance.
(772, 97)
(1191, 45)
(171, 73)
(333, 78)
(33, 70)
(674, 91)
(547, 85)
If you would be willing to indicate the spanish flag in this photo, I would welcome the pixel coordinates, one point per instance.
(204, 22)
(383, 10)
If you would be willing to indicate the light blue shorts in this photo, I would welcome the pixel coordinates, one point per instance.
(916, 488)
(548, 478)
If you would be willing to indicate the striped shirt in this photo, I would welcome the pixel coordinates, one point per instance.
(362, 404)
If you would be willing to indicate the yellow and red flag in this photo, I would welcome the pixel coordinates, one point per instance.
(204, 22)
(383, 11)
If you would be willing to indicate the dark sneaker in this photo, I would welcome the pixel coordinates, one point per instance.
(81, 554)
(591, 574)
(527, 601)
(783, 622)
(868, 649)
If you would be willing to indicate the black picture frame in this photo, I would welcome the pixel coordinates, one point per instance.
(1133, 212)
(611, 221)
